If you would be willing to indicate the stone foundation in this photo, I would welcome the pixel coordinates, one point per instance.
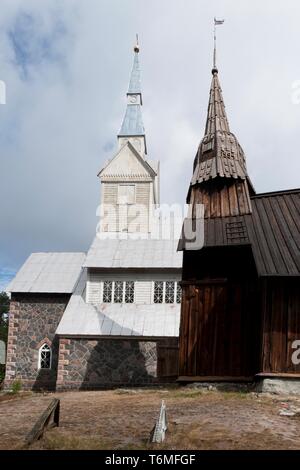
(279, 385)
(105, 363)
(33, 320)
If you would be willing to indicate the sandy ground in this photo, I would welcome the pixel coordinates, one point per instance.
(123, 419)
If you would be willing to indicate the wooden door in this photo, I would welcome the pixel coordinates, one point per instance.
(218, 333)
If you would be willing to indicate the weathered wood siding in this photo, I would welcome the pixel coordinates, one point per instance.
(219, 330)
(167, 358)
(281, 324)
(222, 198)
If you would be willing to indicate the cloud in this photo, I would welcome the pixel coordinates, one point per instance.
(66, 66)
(6, 275)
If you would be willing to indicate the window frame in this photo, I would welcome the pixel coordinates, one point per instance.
(162, 294)
(122, 185)
(40, 357)
(164, 283)
(110, 293)
(124, 291)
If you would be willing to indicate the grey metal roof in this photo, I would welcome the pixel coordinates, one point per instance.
(133, 122)
(48, 272)
(84, 319)
(135, 78)
(108, 253)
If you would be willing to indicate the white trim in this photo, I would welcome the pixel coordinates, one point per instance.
(164, 291)
(113, 291)
(39, 359)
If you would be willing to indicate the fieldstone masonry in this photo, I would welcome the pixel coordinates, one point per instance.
(77, 363)
(101, 363)
(33, 320)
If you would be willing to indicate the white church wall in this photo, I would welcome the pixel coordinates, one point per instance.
(122, 202)
(143, 284)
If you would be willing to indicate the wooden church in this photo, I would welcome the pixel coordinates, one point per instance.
(240, 313)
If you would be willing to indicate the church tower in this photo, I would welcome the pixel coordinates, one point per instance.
(220, 180)
(219, 320)
(130, 181)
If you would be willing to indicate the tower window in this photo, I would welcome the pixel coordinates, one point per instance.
(126, 194)
(45, 357)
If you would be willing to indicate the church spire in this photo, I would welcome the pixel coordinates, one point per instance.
(132, 128)
(219, 153)
(216, 115)
(220, 180)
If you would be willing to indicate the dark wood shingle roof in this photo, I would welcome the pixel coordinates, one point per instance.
(272, 230)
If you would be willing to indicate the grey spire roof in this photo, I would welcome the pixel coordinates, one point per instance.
(135, 79)
(132, 124)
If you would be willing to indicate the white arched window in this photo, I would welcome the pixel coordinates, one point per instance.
(45, 357)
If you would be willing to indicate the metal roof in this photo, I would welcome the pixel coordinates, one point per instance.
(48, 273)
(108, 253)
(82, 319)
(135, 78)
(133, 122)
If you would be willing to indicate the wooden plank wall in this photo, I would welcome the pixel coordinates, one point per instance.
(281, 324)
(222, 198)
(167, 358)
(220, 328)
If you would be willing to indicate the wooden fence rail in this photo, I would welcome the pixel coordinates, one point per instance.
(49, 418)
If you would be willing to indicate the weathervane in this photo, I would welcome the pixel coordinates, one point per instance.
(216, 23)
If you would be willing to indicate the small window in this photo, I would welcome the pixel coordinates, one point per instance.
(158, 292)
(126, 194)
(118, 292)
(170, 292)
(178, 294)
(129, 292)
(45, 357)
(107, 291)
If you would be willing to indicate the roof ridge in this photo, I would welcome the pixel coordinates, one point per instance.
(276, 193)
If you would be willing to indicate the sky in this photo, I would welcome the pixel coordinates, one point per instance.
(66, 66)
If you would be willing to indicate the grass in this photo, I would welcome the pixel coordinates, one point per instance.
(16, 387)
(52, 440)
(188, 393)
(231, 395)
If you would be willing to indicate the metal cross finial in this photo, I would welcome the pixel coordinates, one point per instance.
(137, 47)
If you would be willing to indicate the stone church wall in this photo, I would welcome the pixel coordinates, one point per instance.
(33, 320)
(105, 363)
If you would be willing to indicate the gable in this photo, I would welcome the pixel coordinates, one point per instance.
(127, 163)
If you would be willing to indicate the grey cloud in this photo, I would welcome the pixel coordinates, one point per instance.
(61, 117)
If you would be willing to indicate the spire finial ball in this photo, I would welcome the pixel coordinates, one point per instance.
(136, 48)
